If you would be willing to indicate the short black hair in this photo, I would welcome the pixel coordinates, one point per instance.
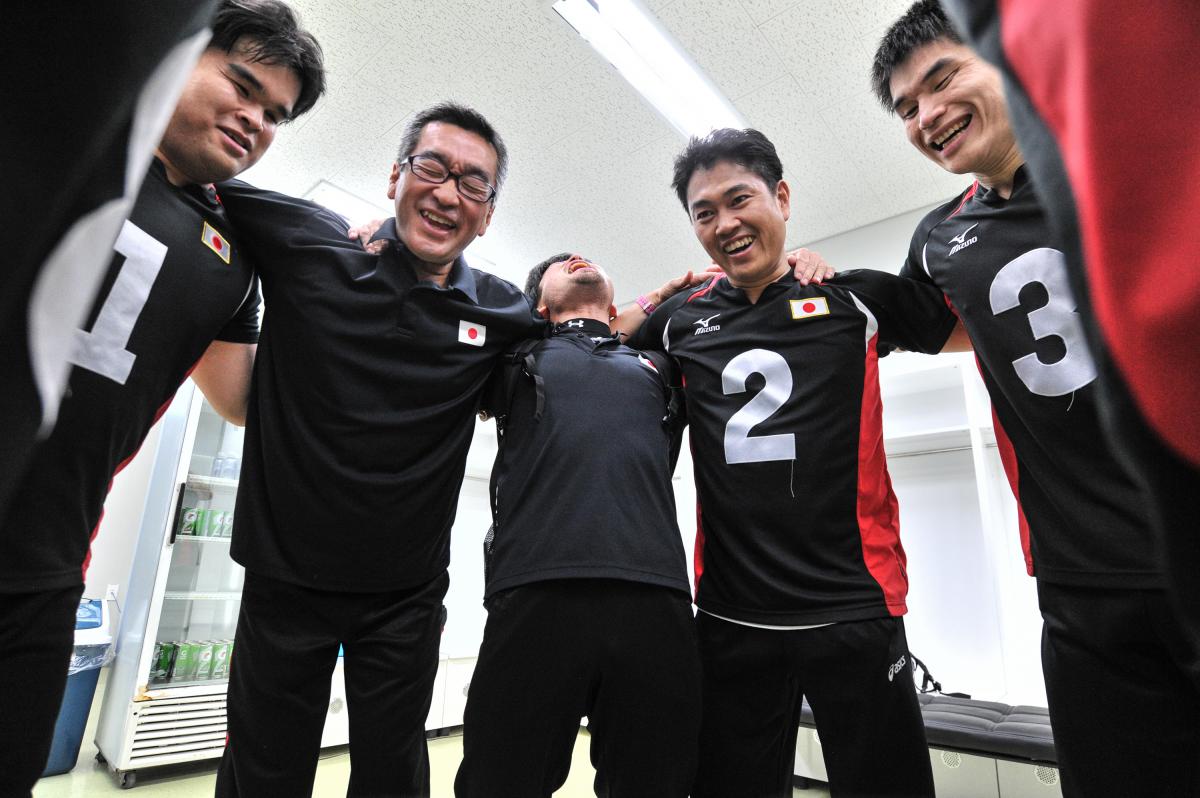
(459, 115)
(924, 22)
(747, 148)
(533, 283)
(273, 36)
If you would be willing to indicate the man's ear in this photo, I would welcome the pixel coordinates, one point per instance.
(542, 310)
(612, 312)
(393, 181)
(487, 219)
(783, 195)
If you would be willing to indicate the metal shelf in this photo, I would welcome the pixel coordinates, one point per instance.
(202, 595)
(211, 483)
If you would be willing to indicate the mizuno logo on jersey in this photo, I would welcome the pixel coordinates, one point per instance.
(961, 241)
(706, 325)
(471, 333)
(215, 241)
(808, 308)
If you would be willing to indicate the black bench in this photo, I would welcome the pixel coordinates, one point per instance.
(985, 729)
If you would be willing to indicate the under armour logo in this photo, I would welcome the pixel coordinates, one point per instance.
(576, 323)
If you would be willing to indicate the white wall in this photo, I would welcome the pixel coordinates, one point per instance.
(882, 245)
(112, 548)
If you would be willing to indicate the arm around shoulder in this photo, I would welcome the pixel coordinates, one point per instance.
(223, 375)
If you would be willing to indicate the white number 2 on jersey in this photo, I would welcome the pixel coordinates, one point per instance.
(777, 387)
(1057, 317)
(103, 349)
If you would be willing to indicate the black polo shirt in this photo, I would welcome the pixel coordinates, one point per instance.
(363, 401)
(583, 490)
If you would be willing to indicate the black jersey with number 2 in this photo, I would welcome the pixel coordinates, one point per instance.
(176, 282)
(797, 521)
(1082, 520)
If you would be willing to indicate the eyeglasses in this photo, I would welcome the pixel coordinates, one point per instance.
(431, 170)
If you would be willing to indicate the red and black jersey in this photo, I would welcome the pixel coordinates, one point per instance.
(78, 150)
(176, 282)
(1128, 202)
(797, 522)
(1085, 517)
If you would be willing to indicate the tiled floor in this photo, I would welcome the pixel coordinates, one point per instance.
(90, 779)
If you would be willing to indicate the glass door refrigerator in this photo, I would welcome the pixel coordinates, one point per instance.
(165, 698)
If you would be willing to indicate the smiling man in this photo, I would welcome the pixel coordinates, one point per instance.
(179, 297)
(361, 413)
(800, 591)
(1110, 637)
(587, 593)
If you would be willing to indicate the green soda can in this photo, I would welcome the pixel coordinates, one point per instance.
(216, 520)
(227, 527)
(220, 660)
(185, 662)
(204, 660)
(187, 521)
(202, 514)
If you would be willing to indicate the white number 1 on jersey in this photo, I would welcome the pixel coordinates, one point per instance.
(103, 349)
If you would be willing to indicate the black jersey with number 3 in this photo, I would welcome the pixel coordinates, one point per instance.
(797, 521)
(176, 282)
(1082, 520)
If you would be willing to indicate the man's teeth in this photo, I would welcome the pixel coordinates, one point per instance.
(440, 221)
(738, 245)
(941, 141)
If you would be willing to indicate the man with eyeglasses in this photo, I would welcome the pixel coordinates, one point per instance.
(369, 373)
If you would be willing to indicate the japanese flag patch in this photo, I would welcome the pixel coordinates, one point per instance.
(807, 308)
(215, 241)
(470, 332)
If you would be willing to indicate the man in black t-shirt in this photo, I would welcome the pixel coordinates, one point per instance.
(800, 591)
(179, 297)
(587, 594)
(1110, 637)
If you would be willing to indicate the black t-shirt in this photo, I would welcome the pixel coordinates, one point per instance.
(363, 400)
(77, 150)
(583, 490)
(797, 520)
(1082, 517)
(177, 281)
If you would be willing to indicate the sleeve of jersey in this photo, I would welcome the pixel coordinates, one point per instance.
(649, 337)
(271, 224)
(243, 327)
(912, 315)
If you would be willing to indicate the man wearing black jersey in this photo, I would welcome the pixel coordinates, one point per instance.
(588, 600)
(179, 297)
(1110, 638)
(800, 592)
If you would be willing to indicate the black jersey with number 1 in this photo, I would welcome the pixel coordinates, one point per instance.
(797, 521)
(176, 282)
(1082, 518)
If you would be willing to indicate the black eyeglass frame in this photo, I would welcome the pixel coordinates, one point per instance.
(458, 177)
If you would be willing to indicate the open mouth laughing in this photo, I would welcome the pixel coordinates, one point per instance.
(950, 134)
(738, 245)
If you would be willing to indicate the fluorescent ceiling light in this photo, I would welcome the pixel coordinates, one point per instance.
(629, 37)
(352, 207)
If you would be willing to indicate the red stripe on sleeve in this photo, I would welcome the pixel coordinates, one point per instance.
(878, 511)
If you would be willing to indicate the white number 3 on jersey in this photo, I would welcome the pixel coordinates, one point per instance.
(1057, 317)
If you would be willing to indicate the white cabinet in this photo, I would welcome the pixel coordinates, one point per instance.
(458, 683)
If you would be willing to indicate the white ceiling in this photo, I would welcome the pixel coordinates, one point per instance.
(590, 160)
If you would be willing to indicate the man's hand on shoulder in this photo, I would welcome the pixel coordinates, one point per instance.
(809, 267)
(363, 234)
